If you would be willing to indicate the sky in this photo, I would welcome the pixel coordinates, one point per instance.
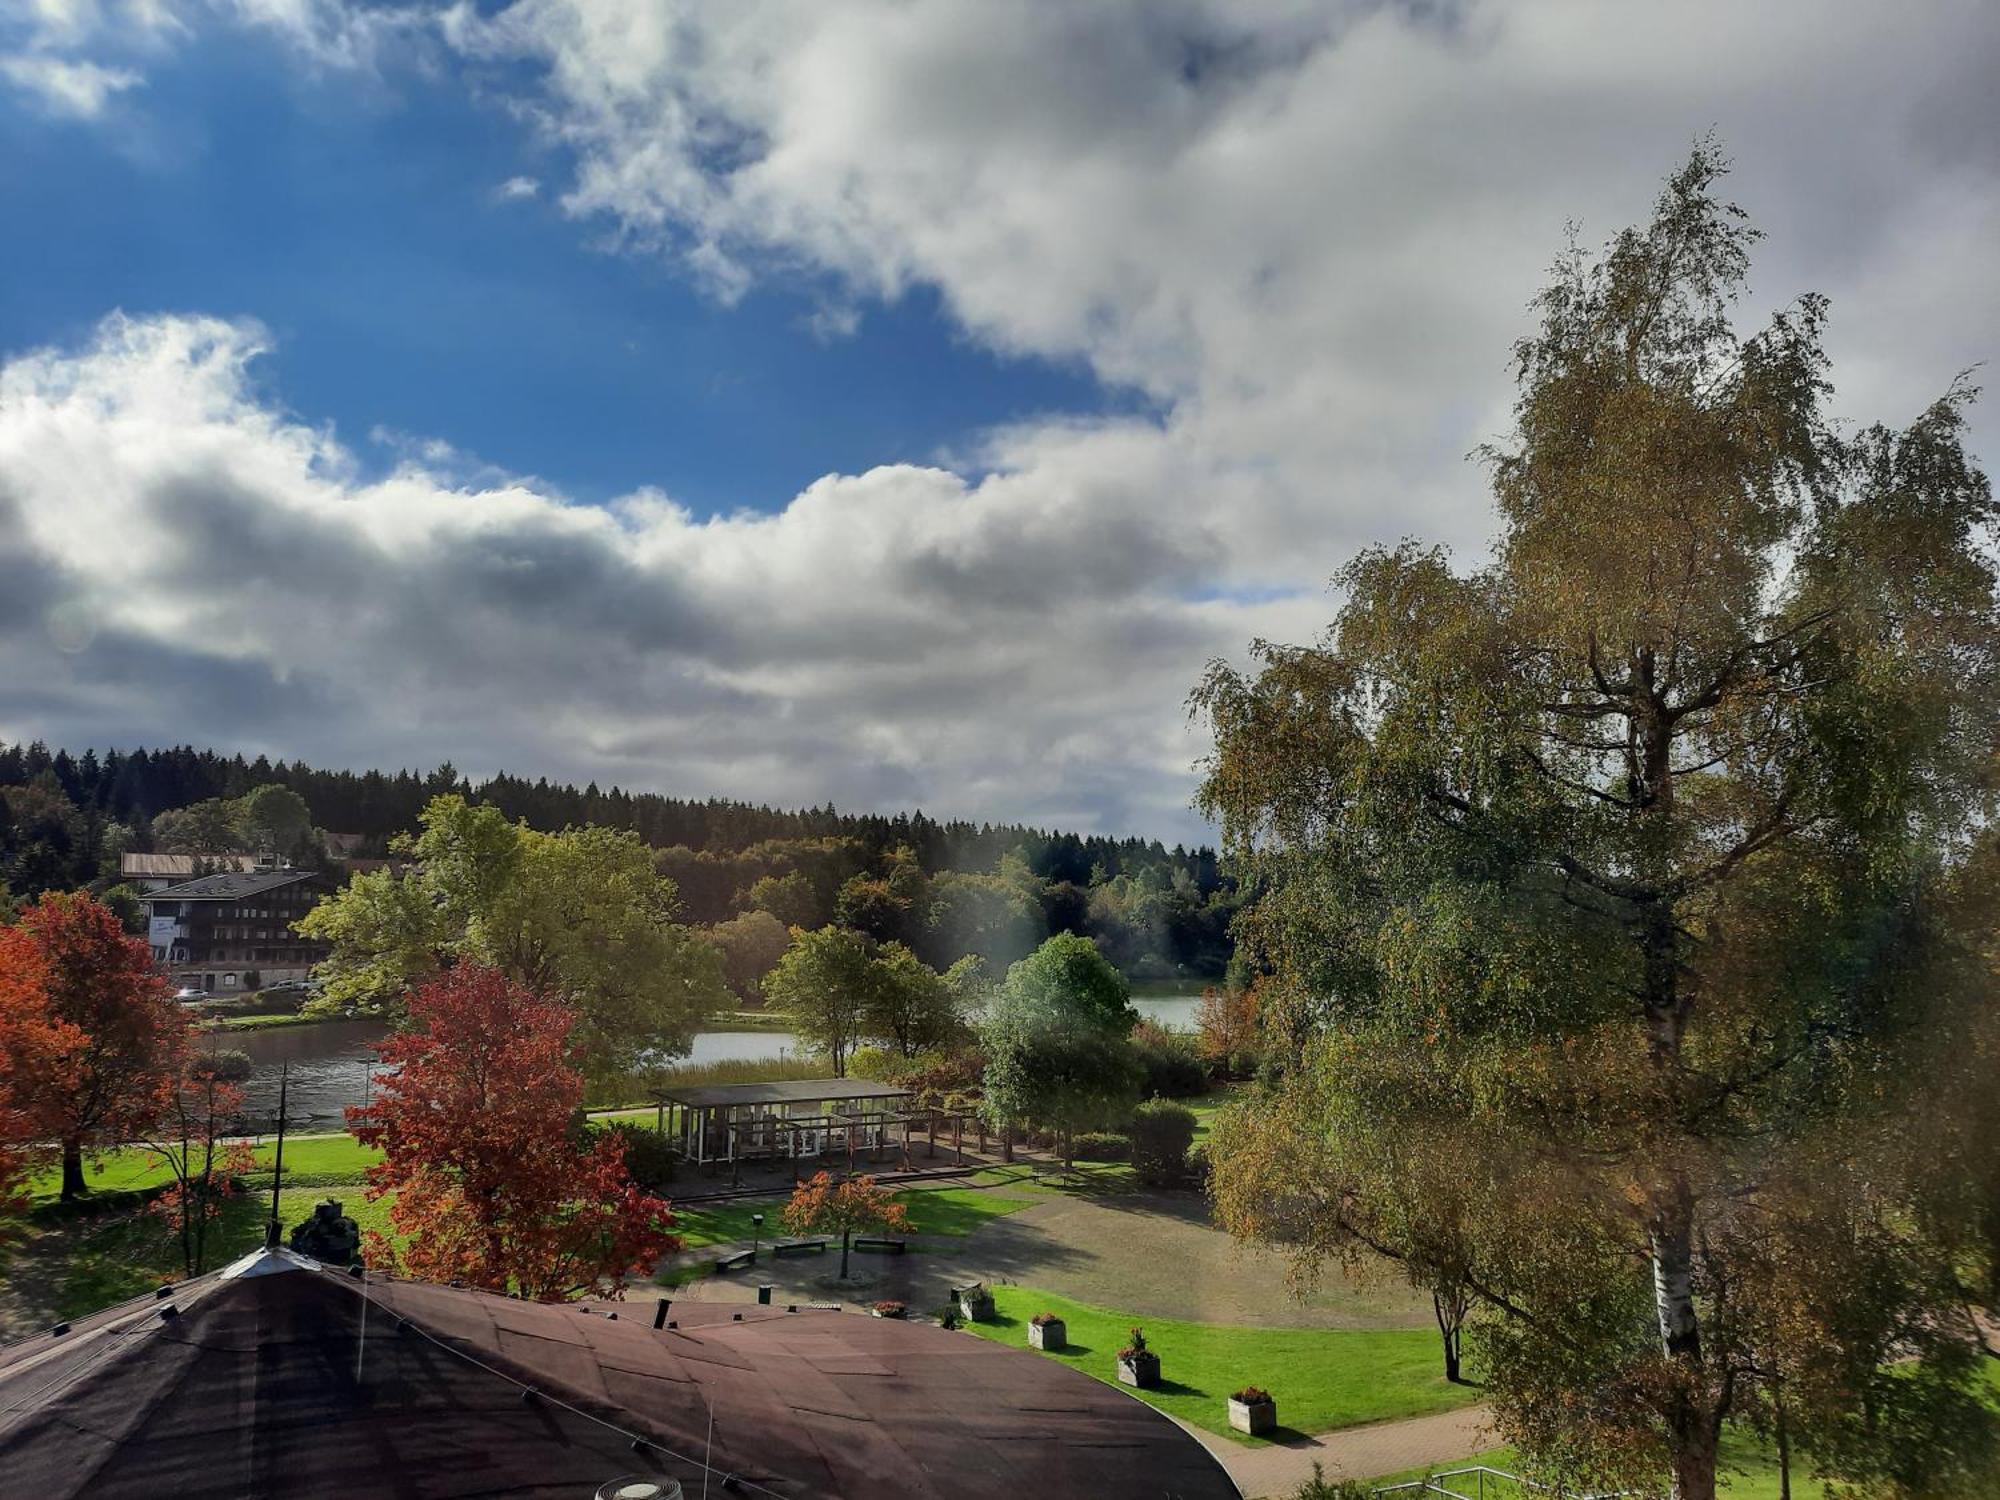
(892, 404)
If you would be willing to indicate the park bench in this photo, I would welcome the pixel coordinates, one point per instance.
(742, 1260)
(800, 1247)
(879, 1246)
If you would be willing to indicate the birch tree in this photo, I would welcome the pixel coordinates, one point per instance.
(1619, 886)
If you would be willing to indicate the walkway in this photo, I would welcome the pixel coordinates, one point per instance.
(1278, 1469)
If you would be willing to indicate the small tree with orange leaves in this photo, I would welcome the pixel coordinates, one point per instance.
(823, 1206)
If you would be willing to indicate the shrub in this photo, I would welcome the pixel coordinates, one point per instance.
(1170, 1063)
(1102, 1145)
(1319, 1487)
(1162, 1131)
(649, 1160)
(1251, 1395)
(1137, 1347)
(1197, 1166)
(1042, 1320)
(876, 1063)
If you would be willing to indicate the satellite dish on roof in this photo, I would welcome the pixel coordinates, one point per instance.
(639, 1487)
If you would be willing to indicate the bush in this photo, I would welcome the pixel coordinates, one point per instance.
(649, 1159)
(1102, 1145)
(1170, 1061)
(1319, 1487)
(1162, 1131)
(877, 1064)
(1251, 1395)
(1197, 1166)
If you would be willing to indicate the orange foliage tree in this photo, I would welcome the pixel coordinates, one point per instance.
(1227, 1023)
(823, 1206)
(492, 1184)
(32, 1042)
(121, 1036)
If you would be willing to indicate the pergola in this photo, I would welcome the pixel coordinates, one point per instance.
(800, 1120)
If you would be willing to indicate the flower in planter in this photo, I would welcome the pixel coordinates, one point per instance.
(1137, 1347)
(1251, 1395)
(890, 1309)
(1042, 1320)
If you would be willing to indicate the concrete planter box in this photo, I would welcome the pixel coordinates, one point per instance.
(975, 1303)
(1049, 1337)
(1141, 1370)
(1254, 1417)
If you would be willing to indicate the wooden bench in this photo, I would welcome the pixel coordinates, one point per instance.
(878, 1246)
(742, 1260)
(800, 1247)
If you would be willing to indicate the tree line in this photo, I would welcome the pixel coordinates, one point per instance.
(944, 889)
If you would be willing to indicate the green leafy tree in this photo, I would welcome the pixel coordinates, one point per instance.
(275, 818)
(1621, 887)
(1056, 1043)
(910, 1006)
(825, 984)
(792, 898)
(1073, 985)
(209, 827)
(577, 916)
(751, 946)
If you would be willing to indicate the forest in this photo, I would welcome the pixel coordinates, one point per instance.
(944, 887)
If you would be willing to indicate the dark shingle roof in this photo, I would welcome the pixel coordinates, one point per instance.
(782, 1091)
(230, 886)
(281, 1379)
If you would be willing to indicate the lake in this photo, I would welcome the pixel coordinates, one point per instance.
(330, 1062)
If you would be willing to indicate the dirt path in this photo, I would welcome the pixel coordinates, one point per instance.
(1353, 1452)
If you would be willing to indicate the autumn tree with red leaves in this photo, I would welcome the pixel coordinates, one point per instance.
(823, 1206)
(492, 1185)
(32, 1041)
(198, 1112)
(121, 1037)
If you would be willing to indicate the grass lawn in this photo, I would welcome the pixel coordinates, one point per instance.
(1323, 1379)
(308, 1159)
(946, 1211)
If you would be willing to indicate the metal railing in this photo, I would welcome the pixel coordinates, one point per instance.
(1473, 1478)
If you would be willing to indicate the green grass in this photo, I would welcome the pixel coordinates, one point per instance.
(941, 1211)
(1323, 1379)
(308, 1159)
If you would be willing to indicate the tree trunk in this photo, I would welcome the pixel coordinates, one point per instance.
(73, 1185)
(1450, 1320)
(1784, 1453)
(846, 1236)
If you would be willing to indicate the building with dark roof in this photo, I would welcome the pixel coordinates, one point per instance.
(231, 932)
(277, 1377)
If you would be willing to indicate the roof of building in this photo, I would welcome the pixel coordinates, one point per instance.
(277, 1377)
(781, 1091)
(179, 866)
(230, 886)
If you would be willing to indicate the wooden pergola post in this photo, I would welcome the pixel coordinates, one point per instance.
(930, 1116)
(958, 1138)
(1007, 1143)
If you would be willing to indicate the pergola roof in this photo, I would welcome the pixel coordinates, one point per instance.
(782, 1091)
(278, 1378)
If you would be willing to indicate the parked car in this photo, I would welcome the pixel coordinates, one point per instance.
(188, 992)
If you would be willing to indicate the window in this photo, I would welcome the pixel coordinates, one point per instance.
(229, 981)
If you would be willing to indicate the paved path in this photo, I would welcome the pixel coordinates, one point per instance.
(1278, 1469)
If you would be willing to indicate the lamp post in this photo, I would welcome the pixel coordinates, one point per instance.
(756, 1233)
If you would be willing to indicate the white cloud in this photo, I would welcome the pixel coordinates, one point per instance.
(79, 90)
(893, 637)
(514, 189)
(1307, 232)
